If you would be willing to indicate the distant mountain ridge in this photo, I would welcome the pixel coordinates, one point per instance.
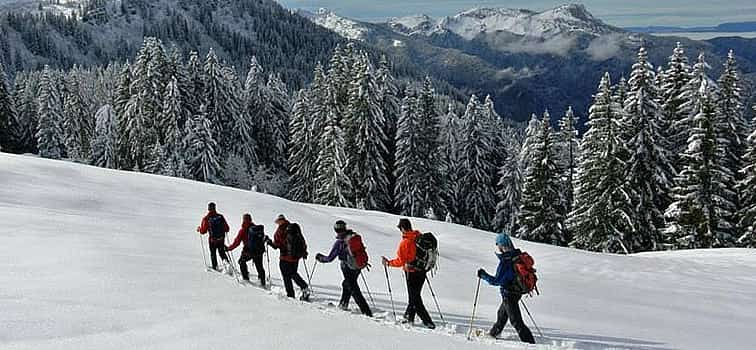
(732, 27)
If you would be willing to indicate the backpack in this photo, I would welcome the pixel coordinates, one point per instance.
(217, 227)
(525, 275)
(426, 252)
(357, 257)
(255, 239)
(295, 242)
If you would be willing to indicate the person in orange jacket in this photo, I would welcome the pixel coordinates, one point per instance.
(217, 227)
(415, 278)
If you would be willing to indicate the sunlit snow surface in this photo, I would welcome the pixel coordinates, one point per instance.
(102, 259)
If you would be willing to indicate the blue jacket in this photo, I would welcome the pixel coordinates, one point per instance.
(505, 273)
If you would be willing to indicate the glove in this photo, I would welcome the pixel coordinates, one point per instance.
(228, 250)
(304, 256)
(481, 273)
(384, 261)
(319, 257)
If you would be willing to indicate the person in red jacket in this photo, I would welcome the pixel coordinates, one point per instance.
(288, 261)
(217, 227)
(253, 238)
(415, 278)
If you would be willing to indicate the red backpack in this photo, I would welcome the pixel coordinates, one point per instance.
(526, 279)
(357, 259)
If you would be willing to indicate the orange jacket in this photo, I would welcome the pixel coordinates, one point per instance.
(406, 252)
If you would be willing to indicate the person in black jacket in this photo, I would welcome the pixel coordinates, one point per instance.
(253, 238)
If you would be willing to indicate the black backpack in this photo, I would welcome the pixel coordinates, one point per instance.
(217, 226)
(426, 252)
(256, 239)
(295, 242)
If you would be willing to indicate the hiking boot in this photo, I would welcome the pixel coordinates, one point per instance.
(305, 294)
(407, 321)
(344, 307)
(429, 325)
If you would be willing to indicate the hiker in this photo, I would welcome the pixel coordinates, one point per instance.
(505, 276)
(345, 248)
(253, 238)
(289, 240)
(405, 255)
(217, 226)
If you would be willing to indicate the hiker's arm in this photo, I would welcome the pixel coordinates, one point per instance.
(402, 255)
(237, 240)
(202, 229)
(335, 251)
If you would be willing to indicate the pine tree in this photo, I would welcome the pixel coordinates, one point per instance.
(409, 159)
(676, 77)
(649, 169)
(105, 144)
(702, 214)
(173, 117)
(278, 121)
(334, 187)
(430, 179)
(568, 151)
(302, 151)
(25, 105)
(203, 161)
(7, 116)
(366, 140)
(602, 216)
(478, 169)
(120, 103)
(527, 151)
(747, 213)
(218, 101)
(49, 134)
(542, 212)
(388, 97)
(451, 167)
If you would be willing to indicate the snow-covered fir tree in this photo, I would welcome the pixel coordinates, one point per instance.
(388, 98)
(703, 211)
(649, 169)
(527, 151)
(409, 159)
(451, 167)
(431, 180)
(731, 122)
(105, 144)
(25, 107)
(688, 104)
(747, 214)
(278, 123)
(602, 216)
(676, 77)
(201, 149)
(542, 213)
(365, 124)
(303, 147)
(568, 152)
(78, 127)
(510, 189)
(49, 133)
(333, 184)
(8, 125)
(218, 101)
(477, 169)
(173, 118)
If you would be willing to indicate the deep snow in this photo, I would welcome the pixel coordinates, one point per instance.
(96, 258)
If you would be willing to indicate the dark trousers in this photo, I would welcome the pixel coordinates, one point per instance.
(510, 310)
(220, 248)
(257, 260)
(415, 282)
(351, 289)
(289, 273)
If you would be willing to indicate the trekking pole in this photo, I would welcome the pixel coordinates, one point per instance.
(314, 265)
(531, 318)
(367, 289)
(430, 286)
(267, 257)
(391, 295)
(230, 255)
(307, 272)
(202, 244)
(475, 308)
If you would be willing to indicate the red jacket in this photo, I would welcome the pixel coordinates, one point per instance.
(406, 252)
(279, 242)
(205, 225)
(241, 237)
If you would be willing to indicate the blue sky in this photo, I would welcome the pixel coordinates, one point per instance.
(616, 12)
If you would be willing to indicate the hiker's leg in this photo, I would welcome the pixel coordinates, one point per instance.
(243, 265)
(410, 313)
(213, 254)
(418, 280)
(501, 319)
(297, 278)
(286, 275)
(357, 295)
(512, 304)
(258, 261)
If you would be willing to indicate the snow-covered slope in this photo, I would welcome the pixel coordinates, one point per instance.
(343, 26)
(471, 23)
(102, 259)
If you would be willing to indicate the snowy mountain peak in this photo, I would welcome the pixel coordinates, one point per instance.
(522, 22)
(343, 26)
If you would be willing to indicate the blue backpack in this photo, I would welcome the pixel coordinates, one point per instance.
(256, 239)
(217, 227)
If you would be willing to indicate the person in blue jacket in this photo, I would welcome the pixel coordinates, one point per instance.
(505, 275)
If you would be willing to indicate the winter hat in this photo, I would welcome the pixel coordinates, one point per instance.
(503, 240)
(404, 224)
(280, 217)
(340, 226)
(210, 206)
